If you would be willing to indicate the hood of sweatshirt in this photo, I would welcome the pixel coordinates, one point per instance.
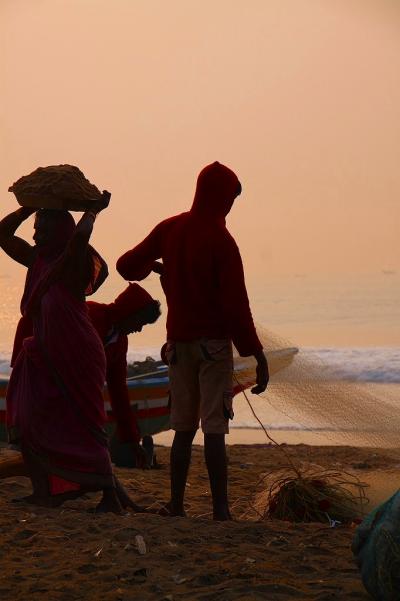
(217, 188)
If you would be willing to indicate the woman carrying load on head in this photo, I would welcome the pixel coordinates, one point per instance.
(55, 407)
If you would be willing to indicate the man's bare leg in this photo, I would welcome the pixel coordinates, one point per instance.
(215, 456)
(181, 452)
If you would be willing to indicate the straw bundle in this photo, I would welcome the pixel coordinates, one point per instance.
(316, 496)
(309, 495)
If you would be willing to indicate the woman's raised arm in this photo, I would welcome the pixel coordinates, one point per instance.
(84, 227)
(15, 247)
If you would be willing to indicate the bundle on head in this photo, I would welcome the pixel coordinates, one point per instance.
(56, 187)
(315, 496)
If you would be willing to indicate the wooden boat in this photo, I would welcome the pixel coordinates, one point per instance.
(149, 395)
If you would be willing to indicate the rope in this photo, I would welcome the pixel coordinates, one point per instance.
(267, 434)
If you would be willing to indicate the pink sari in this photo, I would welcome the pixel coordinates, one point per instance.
(55, 407)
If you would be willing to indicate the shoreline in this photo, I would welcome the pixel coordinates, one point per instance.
(256, 436)
(291, 432)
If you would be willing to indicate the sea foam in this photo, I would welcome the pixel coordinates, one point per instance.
(364, 364)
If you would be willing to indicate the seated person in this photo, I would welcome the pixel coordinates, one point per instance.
(131, 310)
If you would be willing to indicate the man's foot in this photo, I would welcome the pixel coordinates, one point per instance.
(222, 515)
(168, 510)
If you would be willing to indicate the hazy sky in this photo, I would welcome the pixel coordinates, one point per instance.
(300, 97)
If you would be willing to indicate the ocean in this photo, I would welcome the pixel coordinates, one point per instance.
(349, 324)
(379, 365)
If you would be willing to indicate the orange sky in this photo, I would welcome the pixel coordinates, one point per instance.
(300, 97)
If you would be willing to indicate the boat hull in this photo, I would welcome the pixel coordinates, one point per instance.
(149, 398)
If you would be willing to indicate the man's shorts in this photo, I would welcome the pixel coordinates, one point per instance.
(201, 383)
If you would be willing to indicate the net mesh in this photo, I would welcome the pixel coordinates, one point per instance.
(311, 397)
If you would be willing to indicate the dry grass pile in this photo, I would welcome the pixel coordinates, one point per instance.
(311, 494)
(316, 496)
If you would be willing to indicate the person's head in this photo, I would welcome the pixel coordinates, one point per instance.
(217, 187)
(135, 321)
(133, 309)
(53, 229)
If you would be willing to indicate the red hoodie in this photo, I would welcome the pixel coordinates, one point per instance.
(203, 273)
(104, 317)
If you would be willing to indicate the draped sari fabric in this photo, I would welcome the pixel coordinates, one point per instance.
(38, 279)
(55, 407)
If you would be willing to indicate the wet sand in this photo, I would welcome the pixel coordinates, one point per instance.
(69, 554)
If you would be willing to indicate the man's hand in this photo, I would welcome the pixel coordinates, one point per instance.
(262, 372)
(158, 267)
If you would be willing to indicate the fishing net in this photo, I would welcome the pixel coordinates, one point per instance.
(310, 394)
(311, 397)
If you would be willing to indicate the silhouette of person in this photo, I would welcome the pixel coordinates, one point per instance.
(130, 312)
(55, 407)
(208, 309)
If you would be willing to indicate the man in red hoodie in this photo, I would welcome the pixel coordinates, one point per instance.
(130, 311)
(208, 309)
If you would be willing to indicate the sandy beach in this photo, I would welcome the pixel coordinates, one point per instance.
(69, 554)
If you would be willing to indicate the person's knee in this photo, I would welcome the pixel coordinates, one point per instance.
(184, 437)
(214, 437)
(214, 446)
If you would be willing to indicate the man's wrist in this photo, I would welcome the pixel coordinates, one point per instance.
(26, 211)
(91, 214)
